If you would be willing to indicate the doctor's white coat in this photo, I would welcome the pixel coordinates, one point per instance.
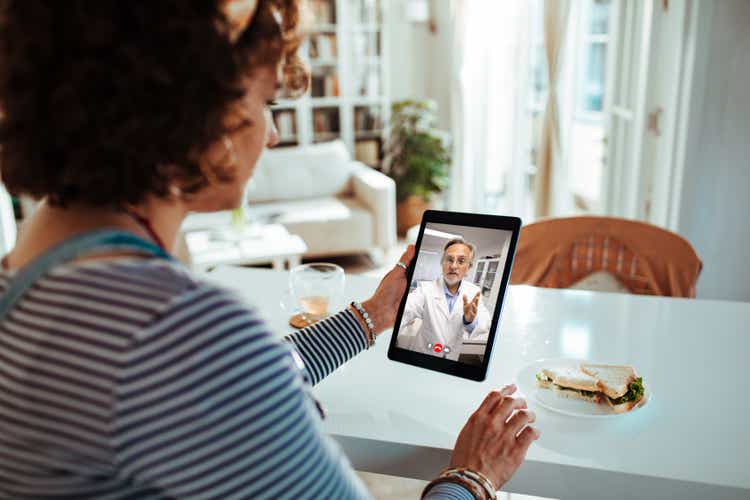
(428, 303)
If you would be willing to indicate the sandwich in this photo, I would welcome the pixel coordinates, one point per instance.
(617, 386)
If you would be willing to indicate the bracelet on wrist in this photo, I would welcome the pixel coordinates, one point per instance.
(370, 334)
(477, 476)
(472, 486)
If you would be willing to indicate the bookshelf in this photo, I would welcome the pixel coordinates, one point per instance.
(348, 97)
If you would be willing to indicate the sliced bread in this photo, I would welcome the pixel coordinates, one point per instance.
(613, 380)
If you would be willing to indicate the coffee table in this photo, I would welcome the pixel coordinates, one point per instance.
(212, 240)
(691, 441)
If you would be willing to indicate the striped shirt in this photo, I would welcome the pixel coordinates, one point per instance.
(134, 379)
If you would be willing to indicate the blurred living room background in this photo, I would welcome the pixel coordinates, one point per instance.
(634, 109)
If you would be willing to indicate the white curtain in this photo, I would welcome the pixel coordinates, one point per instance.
(556, 14)
(489, 84)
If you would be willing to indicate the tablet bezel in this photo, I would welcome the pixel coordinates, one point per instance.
(471, 372)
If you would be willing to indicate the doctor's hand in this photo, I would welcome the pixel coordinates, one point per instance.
(470, 308)
(495, 439)
(382, 307)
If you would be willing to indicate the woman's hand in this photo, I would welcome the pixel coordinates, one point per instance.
(495, 438)
(383, 305)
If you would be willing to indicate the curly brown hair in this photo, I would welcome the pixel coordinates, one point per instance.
(108, 101)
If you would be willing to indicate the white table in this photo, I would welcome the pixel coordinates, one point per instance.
(211, 241)
(690, 441)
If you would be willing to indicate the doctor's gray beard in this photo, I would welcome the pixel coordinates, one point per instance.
(451, 280)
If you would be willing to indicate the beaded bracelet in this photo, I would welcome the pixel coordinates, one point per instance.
(366, 317)
(477, 476)
(474, 488)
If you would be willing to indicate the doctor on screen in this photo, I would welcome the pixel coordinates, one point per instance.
(448, 306)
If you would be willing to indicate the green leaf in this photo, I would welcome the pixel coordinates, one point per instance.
(416, 153)
(635, 392)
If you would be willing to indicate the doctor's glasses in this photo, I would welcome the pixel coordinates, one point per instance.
(450, 259)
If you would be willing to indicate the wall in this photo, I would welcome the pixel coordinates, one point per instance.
(714, 210)
(420, 60)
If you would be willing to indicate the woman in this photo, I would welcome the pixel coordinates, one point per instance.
(121, 375)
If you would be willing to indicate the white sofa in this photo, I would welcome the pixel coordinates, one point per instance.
(337, 205)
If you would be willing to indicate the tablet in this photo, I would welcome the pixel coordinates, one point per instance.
(448, 318)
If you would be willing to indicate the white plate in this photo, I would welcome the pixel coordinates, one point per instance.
(526, 382)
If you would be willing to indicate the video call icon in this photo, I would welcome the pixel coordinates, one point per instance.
(438, 348)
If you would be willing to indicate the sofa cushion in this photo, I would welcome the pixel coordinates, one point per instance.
(301, 172)
(329, 226)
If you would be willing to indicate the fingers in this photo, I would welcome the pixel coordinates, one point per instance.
(494, 397)
(474, 301)
(507, 406)
(520, 419)
(408, 255)
(405, 259)
(508, 389)
(490, 401)
(527, 436)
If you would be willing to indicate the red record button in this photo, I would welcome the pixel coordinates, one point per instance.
(438, 348)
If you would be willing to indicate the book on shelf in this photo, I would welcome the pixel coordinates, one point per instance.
(323, 11)
(367, 151)
(323, 47)
(331, 86)
(366, 119)
(326, 121)
(320, 122)
(368, 83)
(324, 85)
(365, 44)
(285, 124)
(366, 11)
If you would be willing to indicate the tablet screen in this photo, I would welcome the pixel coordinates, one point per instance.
(457, 282)
(453, 292)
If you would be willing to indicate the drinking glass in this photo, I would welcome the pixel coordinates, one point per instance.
(315, 290)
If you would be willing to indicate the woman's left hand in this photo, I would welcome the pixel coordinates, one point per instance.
(382, 307)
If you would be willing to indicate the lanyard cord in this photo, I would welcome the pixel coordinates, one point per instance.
(146, 225)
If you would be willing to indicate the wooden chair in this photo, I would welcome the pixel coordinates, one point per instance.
(643, 258)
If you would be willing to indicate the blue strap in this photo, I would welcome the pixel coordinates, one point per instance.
(102, 240)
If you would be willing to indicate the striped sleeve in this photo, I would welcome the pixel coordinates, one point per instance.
(328, 344)
(449, 491)
(210, 405)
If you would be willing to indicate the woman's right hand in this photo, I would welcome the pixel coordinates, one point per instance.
(496, 437)
(383, 305)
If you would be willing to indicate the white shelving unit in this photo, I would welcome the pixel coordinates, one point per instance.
(347, 52)
(487, 274)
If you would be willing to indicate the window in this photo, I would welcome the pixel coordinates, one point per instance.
(607, 92)
(590, 98)
(587, 130)
(504, 84)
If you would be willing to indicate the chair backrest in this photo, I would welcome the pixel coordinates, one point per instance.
(645, 259)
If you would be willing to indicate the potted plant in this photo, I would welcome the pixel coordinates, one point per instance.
(416, 156)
